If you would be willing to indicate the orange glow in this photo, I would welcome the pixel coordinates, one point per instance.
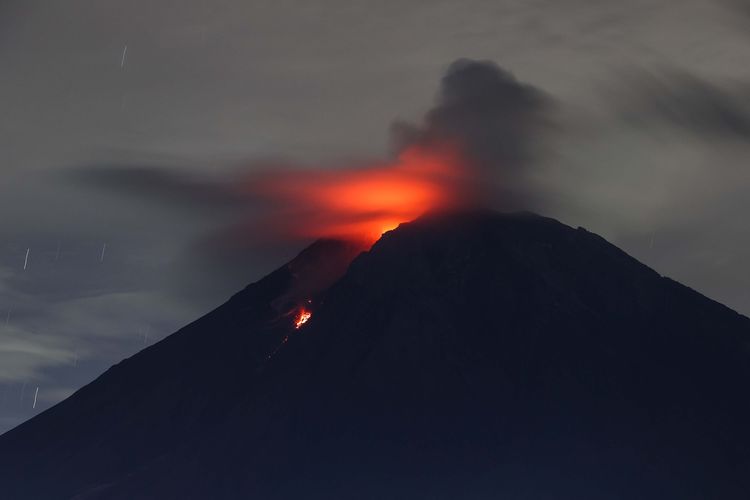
(301, 318)
(363, 203)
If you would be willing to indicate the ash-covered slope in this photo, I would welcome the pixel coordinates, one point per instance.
(469, 356)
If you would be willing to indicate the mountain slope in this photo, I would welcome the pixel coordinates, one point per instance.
(473, 355)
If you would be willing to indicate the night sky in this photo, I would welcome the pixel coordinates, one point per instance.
(119, 117)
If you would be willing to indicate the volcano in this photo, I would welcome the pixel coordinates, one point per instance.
(466, 355)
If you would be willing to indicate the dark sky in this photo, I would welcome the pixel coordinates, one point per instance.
(649, 144)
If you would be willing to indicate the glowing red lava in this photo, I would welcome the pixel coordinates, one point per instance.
(363, 203)
(302, 316)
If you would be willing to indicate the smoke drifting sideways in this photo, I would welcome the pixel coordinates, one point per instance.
(473, 148)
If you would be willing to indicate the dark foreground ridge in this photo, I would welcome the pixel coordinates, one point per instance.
(471, 356)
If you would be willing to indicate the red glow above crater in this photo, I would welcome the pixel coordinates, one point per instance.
(363, 203)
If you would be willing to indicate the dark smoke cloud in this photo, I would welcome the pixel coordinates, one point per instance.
(161, 185)
(497, 120)
(494, 120)
(688, 102)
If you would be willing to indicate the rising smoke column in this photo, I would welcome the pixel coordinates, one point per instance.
(473, 147)
(495, 120)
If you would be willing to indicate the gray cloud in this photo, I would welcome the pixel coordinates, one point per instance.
(58, 342)
(161, 185)
(686, 101)
(741, 7)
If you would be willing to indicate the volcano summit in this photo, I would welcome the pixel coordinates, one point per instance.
(469, 355)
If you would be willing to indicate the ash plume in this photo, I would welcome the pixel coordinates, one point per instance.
(473, 147)
(495, 119)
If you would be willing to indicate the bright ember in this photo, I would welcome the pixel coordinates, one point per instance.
(301, 318)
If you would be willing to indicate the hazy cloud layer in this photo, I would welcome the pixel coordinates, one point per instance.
(683, 100)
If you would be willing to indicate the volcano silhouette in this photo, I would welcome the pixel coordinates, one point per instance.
(468, 355)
